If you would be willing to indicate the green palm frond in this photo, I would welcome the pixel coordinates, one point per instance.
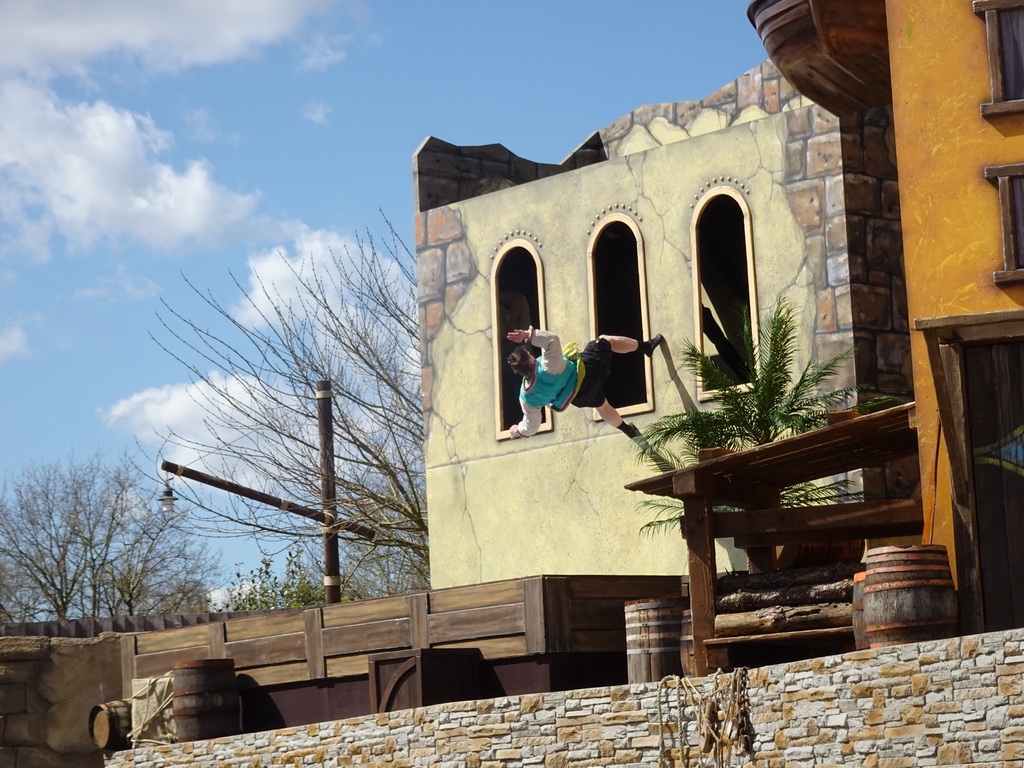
(771, 406)
(667, 514)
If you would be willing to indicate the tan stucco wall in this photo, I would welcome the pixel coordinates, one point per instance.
(555, 503)
(951, 225)
(48, 686)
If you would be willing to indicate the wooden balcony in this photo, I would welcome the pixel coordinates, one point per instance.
(751, 480)
(835, 52)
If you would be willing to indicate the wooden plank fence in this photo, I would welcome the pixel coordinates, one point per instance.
(503, 619)
(84, 628)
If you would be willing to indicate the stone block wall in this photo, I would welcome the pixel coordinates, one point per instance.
(949, 702)
(48, 686)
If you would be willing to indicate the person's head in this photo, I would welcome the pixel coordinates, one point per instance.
(522, 361)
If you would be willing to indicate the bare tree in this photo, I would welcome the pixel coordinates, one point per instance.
(83, 539)
(348, 317)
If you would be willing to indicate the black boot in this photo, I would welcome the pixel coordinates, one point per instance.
(629, 430)
(648, 347)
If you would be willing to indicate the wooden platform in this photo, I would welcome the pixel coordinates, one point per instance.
(752, 480)
(540, 615)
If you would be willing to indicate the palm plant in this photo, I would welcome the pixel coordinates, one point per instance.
(771, 406)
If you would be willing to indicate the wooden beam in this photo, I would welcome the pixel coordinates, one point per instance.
(731, 491)
(128, 671)
(792, 618)
(700, 542)
(419, 626)
(325, 432)
(956, 323)
(265, 498)
(829, 522)
(806, 636)
(313, 628)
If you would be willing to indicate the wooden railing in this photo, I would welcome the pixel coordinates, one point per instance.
(503, 619)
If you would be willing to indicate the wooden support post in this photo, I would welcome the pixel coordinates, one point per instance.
(419, 619)
(700, 542)
(128, 651)
(325, 426)
(313, 633)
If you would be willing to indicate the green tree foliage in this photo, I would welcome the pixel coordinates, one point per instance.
(262, 589)
(775, 404)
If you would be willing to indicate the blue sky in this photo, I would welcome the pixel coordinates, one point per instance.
(146, 140)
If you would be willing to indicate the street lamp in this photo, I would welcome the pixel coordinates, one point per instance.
(167, 500)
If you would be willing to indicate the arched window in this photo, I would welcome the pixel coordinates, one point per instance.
(618, 303)
(724, 286)
(517, 300)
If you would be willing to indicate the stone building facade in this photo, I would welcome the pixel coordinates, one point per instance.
(820, 204)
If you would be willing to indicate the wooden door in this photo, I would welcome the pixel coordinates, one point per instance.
(995, 399)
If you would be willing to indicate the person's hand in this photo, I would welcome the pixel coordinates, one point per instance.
(513, 431)
(518, 336)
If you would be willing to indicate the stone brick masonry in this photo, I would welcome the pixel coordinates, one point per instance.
(950, 702)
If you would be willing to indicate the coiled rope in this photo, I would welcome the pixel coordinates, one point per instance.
(720, 718)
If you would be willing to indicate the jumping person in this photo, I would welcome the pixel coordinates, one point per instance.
(578, 379)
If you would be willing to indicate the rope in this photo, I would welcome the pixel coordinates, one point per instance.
(721, 718)
(154, 713)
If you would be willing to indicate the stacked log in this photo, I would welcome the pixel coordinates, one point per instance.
(785, 601)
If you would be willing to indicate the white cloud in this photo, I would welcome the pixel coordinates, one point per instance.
(274, 274)
(185, 409)
(191, 413)
(88, 171)
(13, 342)
(316, 112)
(122, 284)
(48, 36)
(201, 126)
(322, 52)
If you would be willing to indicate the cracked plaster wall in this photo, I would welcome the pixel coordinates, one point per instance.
(555, 503)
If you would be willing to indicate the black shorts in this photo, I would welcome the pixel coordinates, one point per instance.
(597, 363)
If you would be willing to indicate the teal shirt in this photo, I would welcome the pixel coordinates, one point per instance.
(545, 388)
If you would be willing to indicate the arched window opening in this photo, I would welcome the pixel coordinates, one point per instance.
(725, 285)
(619, 310)
(517, 304)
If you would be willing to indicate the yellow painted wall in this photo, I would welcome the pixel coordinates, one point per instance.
(555, 502)
(951, 226)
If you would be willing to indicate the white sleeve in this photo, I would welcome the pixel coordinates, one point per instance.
(531, 419)
(551, 359)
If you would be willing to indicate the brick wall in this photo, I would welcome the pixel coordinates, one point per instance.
(957, 701)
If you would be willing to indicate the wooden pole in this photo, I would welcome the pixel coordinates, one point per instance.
(325, 428)
(349, 526)
(698, 531)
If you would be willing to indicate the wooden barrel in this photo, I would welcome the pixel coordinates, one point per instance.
(653, 632)
(205, 699)
(811, 555)
(110, 723)
(908, 595)
(860, 633)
